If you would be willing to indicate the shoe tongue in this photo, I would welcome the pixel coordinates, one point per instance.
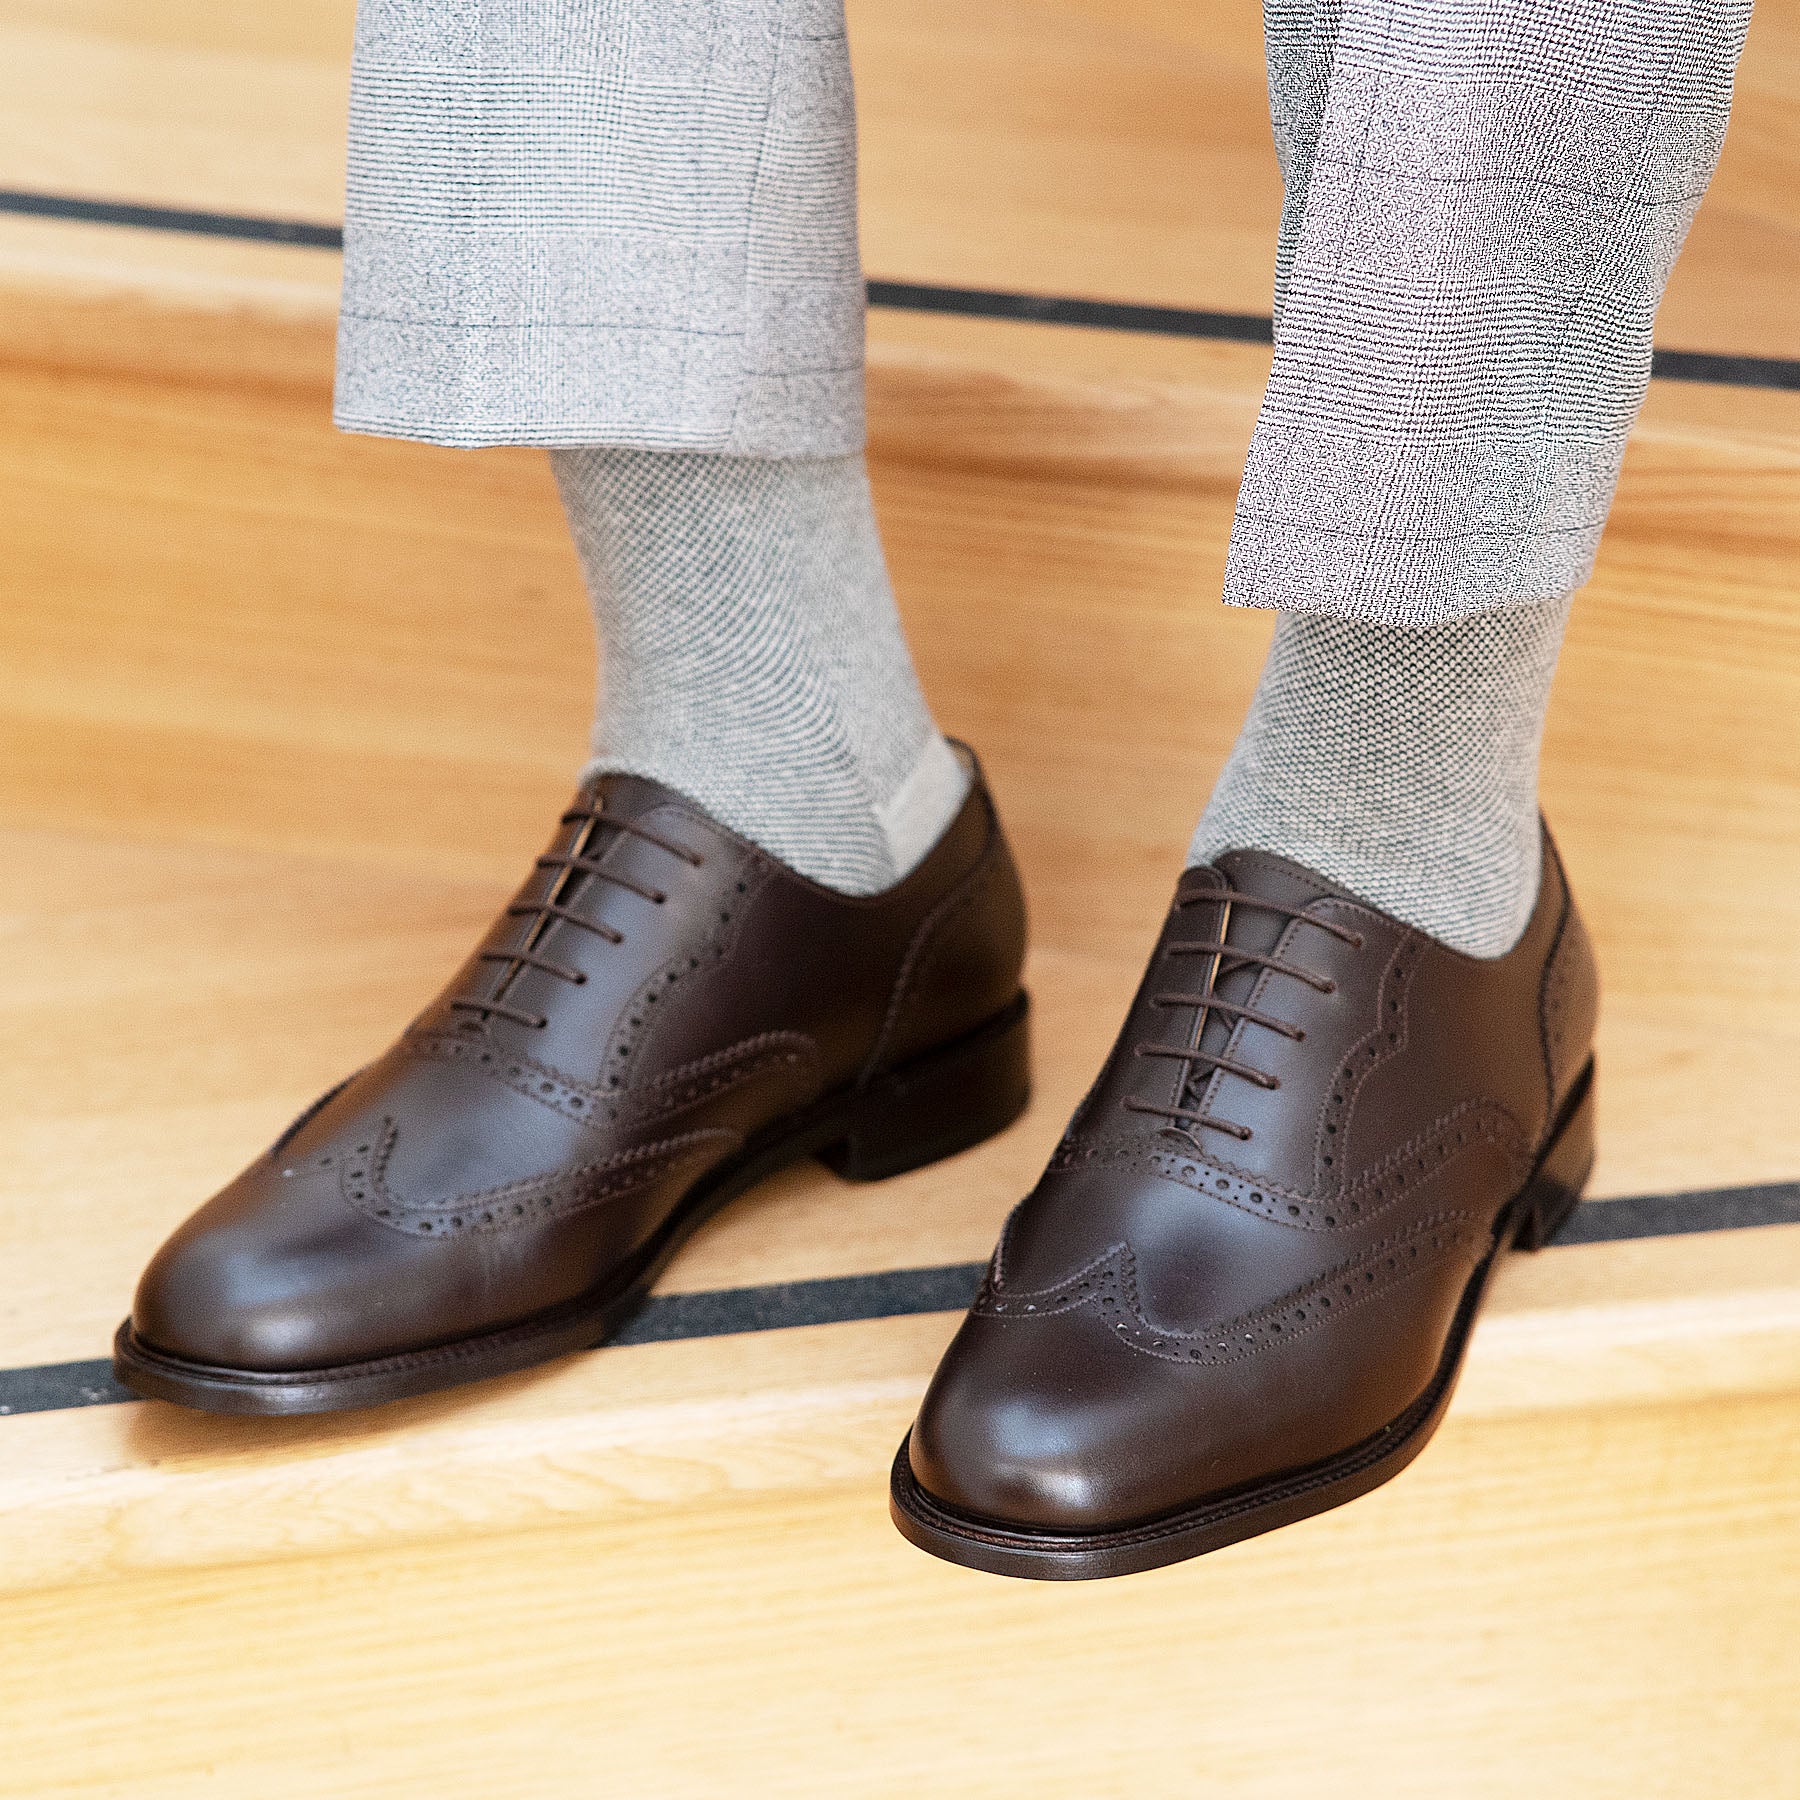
(1274, 877)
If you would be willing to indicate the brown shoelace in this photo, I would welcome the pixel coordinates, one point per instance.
(544, 912)
(1184, 1120)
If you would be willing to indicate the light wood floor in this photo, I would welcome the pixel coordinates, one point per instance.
(1506, 1620)
(286, 713)
(282, 716)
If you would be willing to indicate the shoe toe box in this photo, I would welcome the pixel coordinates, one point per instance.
(1059, 1424)
(268, 1278)
(1054, 1425)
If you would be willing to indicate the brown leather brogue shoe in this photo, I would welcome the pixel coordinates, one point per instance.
(1242, 1291)
(663, 1016)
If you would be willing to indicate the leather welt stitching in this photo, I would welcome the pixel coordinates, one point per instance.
(1108, 1286)
(1374, 1192)
(362, 1181)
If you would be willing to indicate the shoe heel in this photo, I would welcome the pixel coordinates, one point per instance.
(1563, 1171)
(945, 1101)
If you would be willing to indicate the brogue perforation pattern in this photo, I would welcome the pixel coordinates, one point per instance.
(523, 1074)
(1374, 1192)
(1108, 1287)
(362, 1180)
(1569, 956)
(638, 1018)
(724, 1069)
(561, 1093)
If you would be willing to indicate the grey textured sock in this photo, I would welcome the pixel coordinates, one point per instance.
(1402, 764)
(752, 658)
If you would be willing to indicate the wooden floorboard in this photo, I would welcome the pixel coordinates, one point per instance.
(284, 714)
(1598, 1606)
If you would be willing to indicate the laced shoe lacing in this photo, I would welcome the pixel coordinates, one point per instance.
(1185, 1121)
(554, 907)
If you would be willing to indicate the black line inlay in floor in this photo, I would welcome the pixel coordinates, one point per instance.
(248, 227)
(904, 296)
(949, 1287)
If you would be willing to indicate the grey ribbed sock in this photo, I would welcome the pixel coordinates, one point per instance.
(752, 658)
(1401, 764)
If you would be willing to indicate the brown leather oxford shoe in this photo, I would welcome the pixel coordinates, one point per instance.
(1242, 1291)
(662, 1017)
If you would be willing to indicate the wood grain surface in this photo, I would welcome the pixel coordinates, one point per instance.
(1597, 1607)
(284, 714)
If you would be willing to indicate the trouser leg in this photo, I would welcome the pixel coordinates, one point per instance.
(1299, 41)
(1484, 204)
(603, 222)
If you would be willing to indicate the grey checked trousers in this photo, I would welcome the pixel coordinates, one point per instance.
(633, 222)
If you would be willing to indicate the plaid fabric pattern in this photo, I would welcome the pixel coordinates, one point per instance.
(1484, 201)
(632, 222)
(603, 221)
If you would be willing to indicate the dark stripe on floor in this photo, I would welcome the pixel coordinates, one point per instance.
(55, 1387)
(244, 226)
(1094, 315)
(903, 296)
(720, 1312)
(895, 1293)
(1675, 1215)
